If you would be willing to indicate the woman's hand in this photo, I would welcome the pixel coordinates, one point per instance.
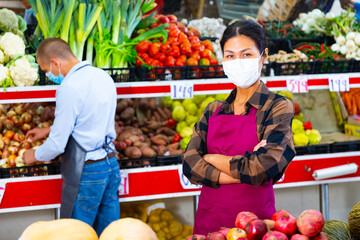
(260, 144)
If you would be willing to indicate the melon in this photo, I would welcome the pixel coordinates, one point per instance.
(337, 230)
(61, 229)
(354, 220)
(128, 229)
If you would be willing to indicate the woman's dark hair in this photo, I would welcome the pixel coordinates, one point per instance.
(247, 28)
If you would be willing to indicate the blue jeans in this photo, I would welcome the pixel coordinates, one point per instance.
(97, 202)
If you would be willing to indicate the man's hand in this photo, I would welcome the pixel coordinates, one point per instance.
(260, 144)
(37, 133)
(29, 157)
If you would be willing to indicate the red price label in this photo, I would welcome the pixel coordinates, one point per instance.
(124, 184)
(298, 84)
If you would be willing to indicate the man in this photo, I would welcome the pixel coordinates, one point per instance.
(29, 15)
(82, 132)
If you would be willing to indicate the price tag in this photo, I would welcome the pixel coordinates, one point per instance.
(2, 190)
(298, 84)
(185, 183)
(282, 178)
(182, 90)
(339, 83)
(124, 185)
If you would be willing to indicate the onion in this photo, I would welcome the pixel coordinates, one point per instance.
(340, 40)
(350, 44)
(335, 47)
(350, 36)
(343, 50)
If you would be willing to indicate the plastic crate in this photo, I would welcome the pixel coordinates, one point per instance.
(277, 44)
(343, 66)
(294, 68)
(204, 72)
(313, 149)
(28, 171)
(137, 163)
(168, 160)
(346, 146)
(356, 66)
(121, 74)
(161, 73)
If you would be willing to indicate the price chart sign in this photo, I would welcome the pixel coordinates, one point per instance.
(339, 83)
(298, 84)
(182, 90)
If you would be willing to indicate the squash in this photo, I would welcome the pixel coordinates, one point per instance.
(128, 229)
(61, 229)
(354, 220)
(337, 230)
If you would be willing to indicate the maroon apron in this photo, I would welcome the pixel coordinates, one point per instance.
(232, 135)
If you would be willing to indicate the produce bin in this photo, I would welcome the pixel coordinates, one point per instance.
(137, 163)
(294, 68)
(344, 66)
(161, 73)
(121, 74)
(168, 160)
(203, 72)
(29, 171)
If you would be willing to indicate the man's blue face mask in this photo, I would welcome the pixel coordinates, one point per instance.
(56, 79)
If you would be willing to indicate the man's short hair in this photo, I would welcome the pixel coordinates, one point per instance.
(54, 48)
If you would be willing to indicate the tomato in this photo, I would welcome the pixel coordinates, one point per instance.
(143, 55)
(172, 18)
(161, 57)
(155, 63)
(206, 53)
(174, 52)
(197, 47)
(194, 39)
(164, 19)
(165, 48)
(192, 62)
(208, 45)
(211, 71)
(143, 46)
(170, 61)
(174, 32)
(204, 62)
(139, 62)
(189, 34)
(185, 49)
(154, 49)
(219, 71)
(214, 61)
(183, 57)
(182, 37)
(175, 44)
(154, 25)
(149, 60)
(180, 62)
(196, 55)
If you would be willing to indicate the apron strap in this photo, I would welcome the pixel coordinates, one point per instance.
(217, 110)
(252, 111)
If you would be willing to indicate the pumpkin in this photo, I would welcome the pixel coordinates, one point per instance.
(354, 220)
(61, 229)
(337, 230)
(128, 229)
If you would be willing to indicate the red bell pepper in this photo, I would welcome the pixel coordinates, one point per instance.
(307, 125)
(177, 138)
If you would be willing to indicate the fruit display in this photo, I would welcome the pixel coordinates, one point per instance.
(159, 219)
(282, 226)
(15, 121)
(59, 229)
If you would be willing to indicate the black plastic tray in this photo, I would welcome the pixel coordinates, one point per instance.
(161, 73)
(345, 146)
(313, 149)
(204, 72)
(294, 68)
(28, 171)
(168, 160)
(137, 163)
(342, 66)
(122, 74)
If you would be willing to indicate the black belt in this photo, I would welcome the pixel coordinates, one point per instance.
(110, 155)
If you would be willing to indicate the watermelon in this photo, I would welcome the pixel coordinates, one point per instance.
(337, 230)
(354, 220)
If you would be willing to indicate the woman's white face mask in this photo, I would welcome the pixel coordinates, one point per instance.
(243, 72)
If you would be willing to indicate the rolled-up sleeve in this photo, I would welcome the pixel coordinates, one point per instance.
(268, 162)
(195, 168)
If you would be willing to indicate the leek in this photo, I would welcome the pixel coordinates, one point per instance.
(69, 7)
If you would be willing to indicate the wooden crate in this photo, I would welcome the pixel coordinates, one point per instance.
(272, 10)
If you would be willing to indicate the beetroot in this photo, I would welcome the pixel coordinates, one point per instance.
(310, 222)
(275, 235)
(284, 222)
(243, 218)
(299, 237)
(197, 237)
(321, 236)
(256, 229)
(215, 236)
(224, 231)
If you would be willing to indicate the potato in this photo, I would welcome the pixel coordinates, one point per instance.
(121, 106)
(148, 152)
(127, 114)
(133, 152)
(137, 144)
(134, 138)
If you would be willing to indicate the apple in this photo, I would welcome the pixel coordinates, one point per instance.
(284, 222)
(236, 233)
(243, 218)
(275, 235)
(256, 229)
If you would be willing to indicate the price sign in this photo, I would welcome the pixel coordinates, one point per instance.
(298, 84)
(339, 83)
(182, 90)
(185, 183)
(124, 185)
(2, 190)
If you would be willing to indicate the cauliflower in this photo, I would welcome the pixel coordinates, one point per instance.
(23, 72)
(4, 73)
(2, 57)
(12, 45)
(8, 20)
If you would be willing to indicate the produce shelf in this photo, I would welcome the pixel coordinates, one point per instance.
(162, 88)
(43, 192)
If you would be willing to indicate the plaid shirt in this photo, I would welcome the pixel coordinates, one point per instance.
(273, 119)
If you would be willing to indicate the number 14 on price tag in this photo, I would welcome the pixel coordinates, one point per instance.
(339, 83)
(182, 90)
(298, 84)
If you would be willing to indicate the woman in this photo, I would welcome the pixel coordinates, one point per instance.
(241, 146)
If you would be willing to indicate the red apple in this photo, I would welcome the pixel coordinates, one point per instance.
(256, 229)
(310, 222)
(299, 237)
(243, 218)
(284, 222)
(275, 235)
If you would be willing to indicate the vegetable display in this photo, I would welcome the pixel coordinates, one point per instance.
(351, 100)
(284, 57)
(10, 22)
(207, 27)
